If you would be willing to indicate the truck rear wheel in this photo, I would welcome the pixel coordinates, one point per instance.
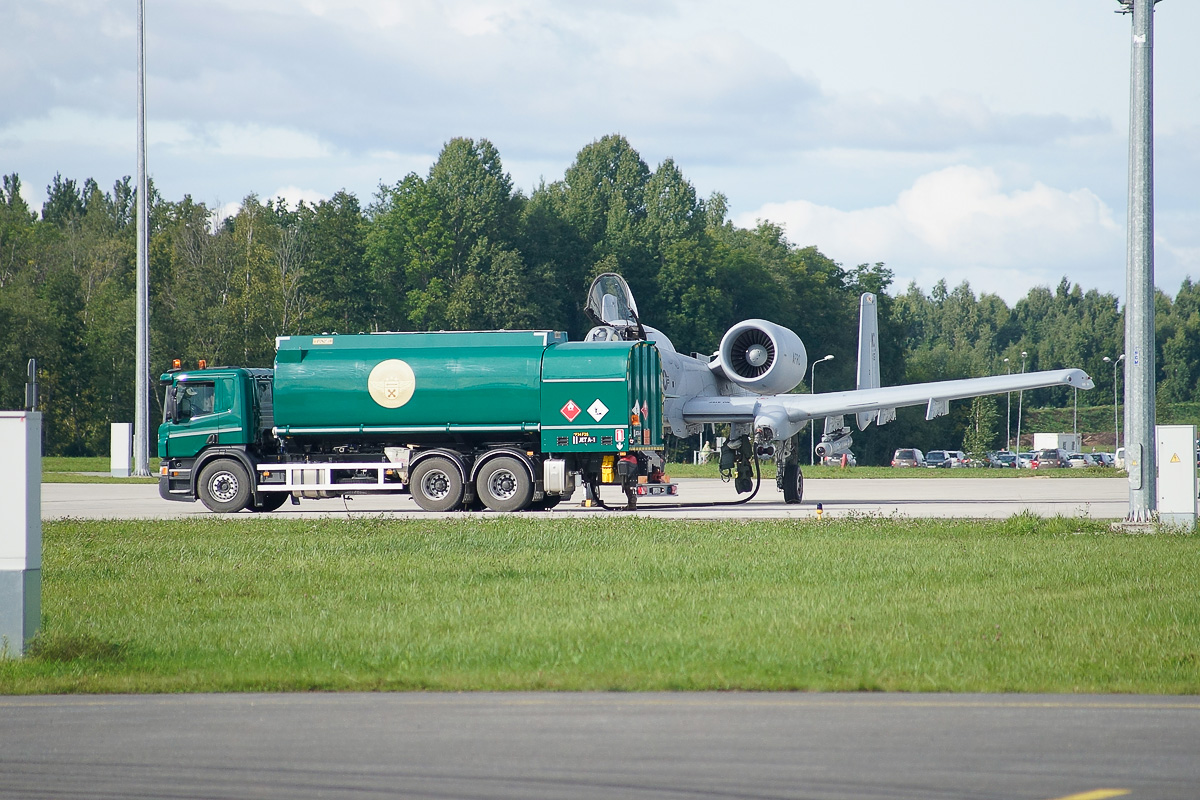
(225, 486)
(504, 485)
(436, 484)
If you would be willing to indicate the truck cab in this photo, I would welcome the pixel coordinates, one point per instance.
(209, 413)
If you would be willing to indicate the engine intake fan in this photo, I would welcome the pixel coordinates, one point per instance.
(763, 357)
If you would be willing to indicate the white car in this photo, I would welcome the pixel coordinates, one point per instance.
(1081, 460)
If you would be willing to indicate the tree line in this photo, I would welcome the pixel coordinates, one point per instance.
(460, 248)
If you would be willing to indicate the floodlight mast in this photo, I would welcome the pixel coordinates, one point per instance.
(141, 405)
(1140, 367)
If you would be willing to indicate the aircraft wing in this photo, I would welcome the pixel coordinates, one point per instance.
(783, 412)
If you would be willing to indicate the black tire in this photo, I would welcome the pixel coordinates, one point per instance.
(546, 503)
(225, 486)
(436, 484)
(504, 485)
(793, 483)
(270, 501)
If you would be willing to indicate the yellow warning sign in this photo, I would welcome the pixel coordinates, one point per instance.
(1175, 458)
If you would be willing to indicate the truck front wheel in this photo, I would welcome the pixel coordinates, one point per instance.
(225, 486)
(504, 485)
(436, 484)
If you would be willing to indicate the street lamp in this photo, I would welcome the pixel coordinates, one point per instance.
(812, 426)
(1008, 411)
(1020, 401)
(1116, 422)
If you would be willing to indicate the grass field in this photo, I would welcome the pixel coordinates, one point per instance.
(62, 469)
(1023, 605)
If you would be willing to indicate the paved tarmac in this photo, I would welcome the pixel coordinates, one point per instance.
(660, 746)
(1099, 498)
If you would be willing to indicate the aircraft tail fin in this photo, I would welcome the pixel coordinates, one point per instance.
(868, 358)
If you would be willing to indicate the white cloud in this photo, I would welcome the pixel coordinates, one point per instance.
(293, 195)
(70, 127)
(962, 223)
(261, 141)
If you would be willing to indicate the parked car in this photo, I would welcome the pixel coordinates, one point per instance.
(1081, 460)
(1002, 459)
(1104, 459)
(1119, 458)
(908, 457)
(1051, 458)
(836, 461)
(1026, 460)
(947, 459)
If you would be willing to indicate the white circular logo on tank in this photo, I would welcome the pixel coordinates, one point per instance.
(391, 383)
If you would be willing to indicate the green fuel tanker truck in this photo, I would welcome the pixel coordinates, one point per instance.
(502, 419)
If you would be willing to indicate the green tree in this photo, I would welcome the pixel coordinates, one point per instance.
(981, 431)
(339, 285)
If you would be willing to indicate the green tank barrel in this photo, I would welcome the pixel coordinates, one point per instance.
(602, 397)
(390, 383)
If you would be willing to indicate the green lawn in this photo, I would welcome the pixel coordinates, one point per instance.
(62, 469)
(1023, 605)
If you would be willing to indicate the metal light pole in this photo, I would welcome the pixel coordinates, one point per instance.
(1020, 402)
(1116, 421)
(812, 389)
(1008, 411)
(1140, 369)
(141, 405)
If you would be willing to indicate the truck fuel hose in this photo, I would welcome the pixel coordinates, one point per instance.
(757, 483)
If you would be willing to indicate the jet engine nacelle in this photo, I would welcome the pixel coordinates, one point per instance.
(763, 357)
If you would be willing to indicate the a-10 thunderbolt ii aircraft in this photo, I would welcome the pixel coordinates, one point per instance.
(746, 384)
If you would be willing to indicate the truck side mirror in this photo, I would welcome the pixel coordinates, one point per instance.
(172, 409)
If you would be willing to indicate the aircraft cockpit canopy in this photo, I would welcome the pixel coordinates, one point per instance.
(610, 305)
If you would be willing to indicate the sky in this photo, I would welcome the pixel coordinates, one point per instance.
(960, 140)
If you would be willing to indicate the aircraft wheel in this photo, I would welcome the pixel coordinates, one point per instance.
(793, 483)
(504, 485)
(436, 484)
(225, 486)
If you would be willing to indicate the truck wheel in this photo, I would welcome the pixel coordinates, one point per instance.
(546, 503)
(504, 485)
(436, 484)
(271, 501)
(793, 483)
(225, 486)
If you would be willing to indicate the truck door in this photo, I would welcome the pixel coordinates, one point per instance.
(231, 421)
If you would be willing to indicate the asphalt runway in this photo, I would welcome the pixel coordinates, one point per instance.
(660, 746)
(1098, 498)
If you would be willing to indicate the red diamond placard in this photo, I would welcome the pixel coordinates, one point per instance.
(570, 411)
